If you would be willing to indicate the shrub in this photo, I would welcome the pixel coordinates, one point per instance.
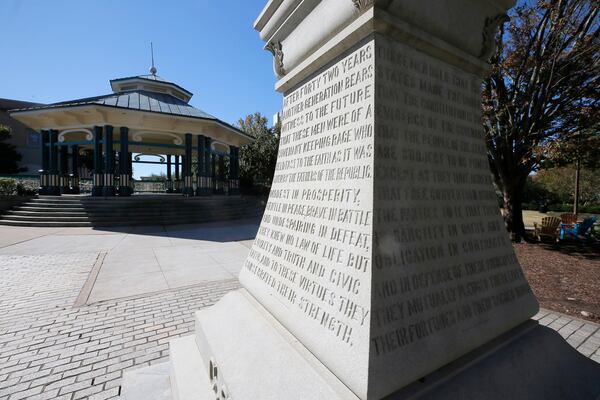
(27, 188)
(8, 187)
(591, 209)
(530, 206)
(567, 207)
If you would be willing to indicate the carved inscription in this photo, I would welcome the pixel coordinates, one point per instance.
(442, 260)
(382, 246)
(313, 250)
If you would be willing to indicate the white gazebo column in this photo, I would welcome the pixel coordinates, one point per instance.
(98, 178)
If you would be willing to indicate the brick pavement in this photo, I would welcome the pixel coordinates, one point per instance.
(582, 335)
(50, 349)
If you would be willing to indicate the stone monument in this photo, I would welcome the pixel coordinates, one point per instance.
(381, 266)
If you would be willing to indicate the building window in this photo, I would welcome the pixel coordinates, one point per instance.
(33, 138)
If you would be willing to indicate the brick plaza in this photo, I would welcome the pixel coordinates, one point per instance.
(53, 348)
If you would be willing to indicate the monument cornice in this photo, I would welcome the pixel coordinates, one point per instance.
(293, 33)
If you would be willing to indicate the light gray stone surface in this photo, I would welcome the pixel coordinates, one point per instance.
(52, 349)
(188, 376)
(531, 362)
(46, 343)
(143, 259)
(242, 341)
(382, 248)
(151, 382)
(311, 261)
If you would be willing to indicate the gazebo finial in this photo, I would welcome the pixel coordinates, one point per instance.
(153, 68)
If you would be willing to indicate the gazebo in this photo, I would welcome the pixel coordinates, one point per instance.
(146, 115)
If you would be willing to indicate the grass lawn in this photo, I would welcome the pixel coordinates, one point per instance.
(529, 217)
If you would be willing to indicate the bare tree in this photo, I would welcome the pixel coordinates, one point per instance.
(545, 76)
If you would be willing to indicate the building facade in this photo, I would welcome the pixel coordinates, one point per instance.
(25, 139)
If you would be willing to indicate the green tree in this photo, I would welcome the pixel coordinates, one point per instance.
(559, 182)
(545, 73)
(9, 157)
(258, 159)
(580, 150)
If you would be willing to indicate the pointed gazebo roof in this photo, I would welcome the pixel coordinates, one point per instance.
(141, 93)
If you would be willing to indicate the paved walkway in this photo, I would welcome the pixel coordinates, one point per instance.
(582, 335)
(147, 259)
(51, 348)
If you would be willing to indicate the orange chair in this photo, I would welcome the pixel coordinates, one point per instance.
(568, 219)
(549, 227)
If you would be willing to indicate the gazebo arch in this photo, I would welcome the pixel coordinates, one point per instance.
(88, 133)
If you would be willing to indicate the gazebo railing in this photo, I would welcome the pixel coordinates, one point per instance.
(86, 184)
(150, 186)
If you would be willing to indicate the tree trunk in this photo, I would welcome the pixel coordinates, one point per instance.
(513, 212)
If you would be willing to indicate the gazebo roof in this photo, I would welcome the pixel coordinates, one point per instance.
(151, 83)
(140, 100)
(143, 93)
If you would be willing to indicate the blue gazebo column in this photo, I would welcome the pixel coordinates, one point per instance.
(98, 183)
(109, 162)
(169, 182)
(188, 187)
(208, 165)
(44, 181)
(221, 182)
(124, 184)
(213, 172)
(234, 174)
(74, 169)
(53, 178)
(63, 170)
(202, 181)
(130, 171)
(177, 188)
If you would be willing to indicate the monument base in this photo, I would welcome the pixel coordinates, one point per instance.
(240, 352)
(529, 362)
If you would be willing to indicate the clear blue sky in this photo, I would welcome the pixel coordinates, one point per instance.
(67, 49)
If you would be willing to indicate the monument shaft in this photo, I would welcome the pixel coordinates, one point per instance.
(382, 248)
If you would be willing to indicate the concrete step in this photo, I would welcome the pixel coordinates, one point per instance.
(48, 213)
(117, 204)
(54, 201)
(44, 224)
(50, 205)
(135, 210)
(16, 220)
(120, 213)
(189, 373)
(145, 383)
(44, 217)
